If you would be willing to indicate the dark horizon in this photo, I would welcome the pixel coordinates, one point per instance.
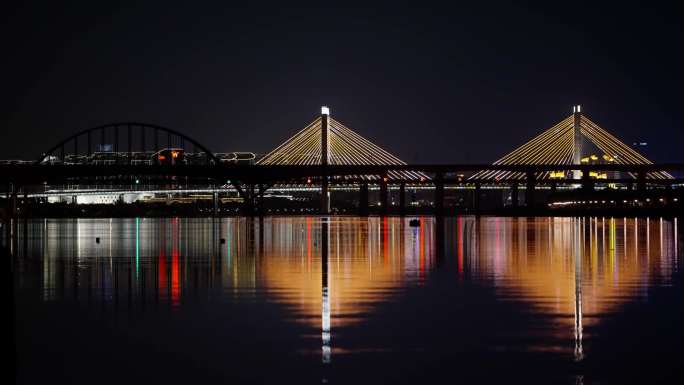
(430, 85)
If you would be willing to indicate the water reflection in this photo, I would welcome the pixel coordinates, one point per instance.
(574, 270)
(334, 273)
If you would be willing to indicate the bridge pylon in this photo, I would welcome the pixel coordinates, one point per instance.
(568, 143)
(325, 130)
(577, 142)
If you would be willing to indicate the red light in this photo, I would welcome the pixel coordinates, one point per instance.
(162, 157)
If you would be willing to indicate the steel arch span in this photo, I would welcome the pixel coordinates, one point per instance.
(124, 143)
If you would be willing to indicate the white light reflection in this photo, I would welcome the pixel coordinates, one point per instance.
(325, 293)
(676, 236)
(579, 352)
(325, 326)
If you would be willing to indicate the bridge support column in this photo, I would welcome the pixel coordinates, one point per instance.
(529, 191)
(215, 201)
(439, 194)
(325, 196)
(14, 204)
(587, 183)
(252, 199)
(25, 204)
(641, 181)
(553, 187)
(384, 196)
(363, 199)
(11, 202)
(13, 219)
(476, 198)
(11, 214)
(247, 199)
(514, 195)
(260, 200)
(402, 198)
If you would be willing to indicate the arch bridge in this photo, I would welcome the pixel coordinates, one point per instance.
(125, 143)
(328, 153)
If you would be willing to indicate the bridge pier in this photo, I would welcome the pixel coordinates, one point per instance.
(260, 200)
(25, 205)
(363, 199)
(242, 194)
(529, 191)
(10, 215)
(384, 196)
(439, 194)
(587, 183)
(12, 219)
(247, 198)
(402, 198)
(14, 204)
(641, 182)
(215, 201)
(476, 198)
(252, 200)
(514, 195)
(325, 197)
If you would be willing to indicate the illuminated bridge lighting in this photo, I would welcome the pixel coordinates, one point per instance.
(345, 147)
(562, 145)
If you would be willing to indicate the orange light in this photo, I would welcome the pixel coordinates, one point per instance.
(162, 157)
(174, 154)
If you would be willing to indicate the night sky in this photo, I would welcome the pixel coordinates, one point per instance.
(428, 83)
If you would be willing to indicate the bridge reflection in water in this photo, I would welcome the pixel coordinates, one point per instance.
(332, 274)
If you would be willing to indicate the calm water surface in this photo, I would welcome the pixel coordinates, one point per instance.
(348, 300)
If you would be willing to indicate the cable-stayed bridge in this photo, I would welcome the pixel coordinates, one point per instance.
(572, 141)
(325, 141)
(326, 155)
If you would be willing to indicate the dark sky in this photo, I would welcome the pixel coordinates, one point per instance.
(429, 83)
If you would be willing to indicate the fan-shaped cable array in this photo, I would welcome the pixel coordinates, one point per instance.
(345, 147)
(609, 144)
(556, 145)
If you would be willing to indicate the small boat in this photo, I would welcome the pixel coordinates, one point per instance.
(414, 222)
